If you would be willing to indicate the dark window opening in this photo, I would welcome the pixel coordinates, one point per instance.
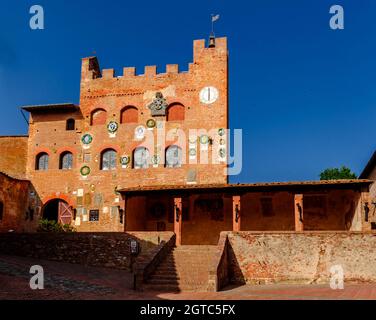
(174, 157)
(141, 158)
(373, 225)
(70, 125)
(41, 162)
(66, 161)
(94, 215)
(108, 159)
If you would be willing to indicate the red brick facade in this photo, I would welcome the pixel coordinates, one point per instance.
(79, 163)
(124, 99)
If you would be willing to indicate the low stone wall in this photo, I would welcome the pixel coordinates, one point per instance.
(301, 257)
(95, 249)
(219, 269)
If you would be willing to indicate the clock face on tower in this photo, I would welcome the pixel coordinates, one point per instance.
(209, 95)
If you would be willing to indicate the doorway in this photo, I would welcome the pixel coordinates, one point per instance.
(58, 210)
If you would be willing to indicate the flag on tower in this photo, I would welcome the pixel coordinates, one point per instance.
(215, 18)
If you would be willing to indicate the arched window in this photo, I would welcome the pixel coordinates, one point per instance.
(108, 159)
(141, 158)
(1, 210)
(129, 114)
(174, 157)
(66, 161)
(41, 162)
(175, 112)
(70, 125)
(98, 117)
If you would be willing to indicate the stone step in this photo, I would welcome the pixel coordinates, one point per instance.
(174, 288)
(186, 268)
(172, 277)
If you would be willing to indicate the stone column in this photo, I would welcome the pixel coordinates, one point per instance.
(298, 205)
(178, 209)
(236, 214)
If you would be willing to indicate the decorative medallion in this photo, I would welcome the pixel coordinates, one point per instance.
(155, 160)
(140, 132)
(158, 106)
(222, 153)
(204, 139)
(192, 152)
(85, 171)
(151, 123)
(209, 95)
(86, 139)
(125, 160)
(192, 140)
(222, 142)
(221, 132)
(112, 126)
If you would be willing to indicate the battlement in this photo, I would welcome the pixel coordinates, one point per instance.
(91, 70)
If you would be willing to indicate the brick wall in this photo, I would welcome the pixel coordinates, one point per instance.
(301, 257)
(101, 89)
(13, 156)
(101, 249)
(19, 202)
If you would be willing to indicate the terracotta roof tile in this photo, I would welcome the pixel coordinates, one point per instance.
(51, 107)
(249, 186)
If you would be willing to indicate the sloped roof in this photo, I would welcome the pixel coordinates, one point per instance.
(369, 167)
(267, 186)
(51, 107)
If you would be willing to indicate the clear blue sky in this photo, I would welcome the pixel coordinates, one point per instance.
(304, 95)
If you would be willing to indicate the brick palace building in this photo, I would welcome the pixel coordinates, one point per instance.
(93, 165)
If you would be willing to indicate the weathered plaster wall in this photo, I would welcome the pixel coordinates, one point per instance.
(13, 157)
(301, 257)
(20, 205)
(325, 210)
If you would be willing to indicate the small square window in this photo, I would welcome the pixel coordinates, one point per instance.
(94, 215)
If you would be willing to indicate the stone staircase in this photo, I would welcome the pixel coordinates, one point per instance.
(186, 268)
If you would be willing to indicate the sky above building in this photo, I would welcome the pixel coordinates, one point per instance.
(304, 94)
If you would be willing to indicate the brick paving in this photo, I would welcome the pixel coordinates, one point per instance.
(65, 281)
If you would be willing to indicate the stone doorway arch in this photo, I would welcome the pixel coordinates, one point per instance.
(57, 210)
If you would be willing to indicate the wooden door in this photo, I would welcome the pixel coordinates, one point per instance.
(65, 213)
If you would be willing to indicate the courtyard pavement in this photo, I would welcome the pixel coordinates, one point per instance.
(65, 281)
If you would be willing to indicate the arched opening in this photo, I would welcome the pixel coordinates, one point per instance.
(66, 161)
(98, 117)
(41, 161)
(174, 157)
(70, 125)
(108, 159)
(141, 158)
(129, 114)
(176, 112)
(57, 210)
